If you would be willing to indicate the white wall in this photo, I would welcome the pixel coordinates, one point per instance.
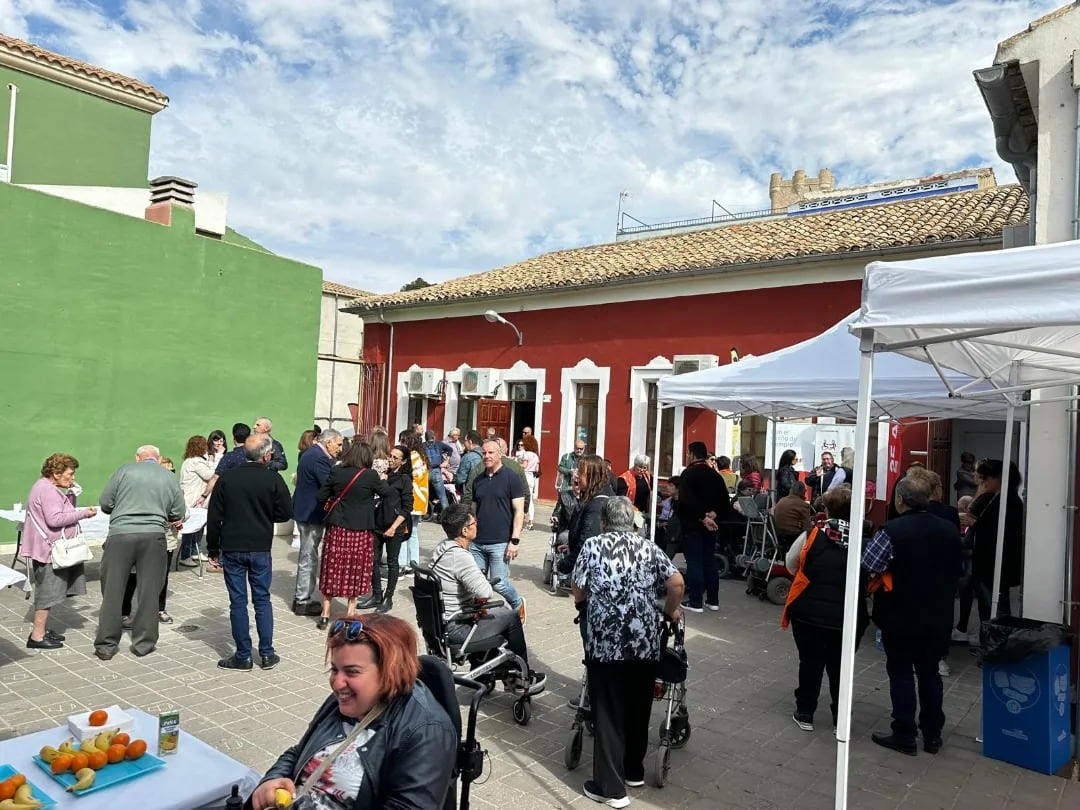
(211, 207)
(341, 339)
(1046, 55)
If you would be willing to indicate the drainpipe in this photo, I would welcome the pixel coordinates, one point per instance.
(1001, 144)
(389, 374)
(1072, 592)
(14, 92)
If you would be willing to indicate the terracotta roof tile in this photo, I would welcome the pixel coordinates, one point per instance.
(334, 288)
(934, 220)
(82, 68)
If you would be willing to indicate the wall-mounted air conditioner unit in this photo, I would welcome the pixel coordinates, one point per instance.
(688, 363)
(424, 382)
(478, 382)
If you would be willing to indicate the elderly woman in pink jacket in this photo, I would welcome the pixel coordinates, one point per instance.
(50, 513)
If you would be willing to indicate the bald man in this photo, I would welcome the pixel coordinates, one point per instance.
(278, 461)
(141, 499)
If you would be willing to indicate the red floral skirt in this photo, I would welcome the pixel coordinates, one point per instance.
(348, 557)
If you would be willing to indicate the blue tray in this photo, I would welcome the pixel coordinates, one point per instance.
(112, 774)
(46, 800)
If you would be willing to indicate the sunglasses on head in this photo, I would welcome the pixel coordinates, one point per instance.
(353, 628)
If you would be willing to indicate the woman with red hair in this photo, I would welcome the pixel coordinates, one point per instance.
(381, 739)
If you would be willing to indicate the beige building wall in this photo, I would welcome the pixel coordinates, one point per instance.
(341, 340)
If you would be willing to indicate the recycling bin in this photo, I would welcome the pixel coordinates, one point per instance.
(1025, 700)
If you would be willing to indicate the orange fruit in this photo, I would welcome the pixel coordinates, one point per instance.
(115, 753)
(79, 761)
(7, 789)
(99, 718)
(121, 739)
(136, 749)
(18, 780)
(98, 760)
(62, 764)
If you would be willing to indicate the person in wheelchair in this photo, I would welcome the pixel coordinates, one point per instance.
(463, 583)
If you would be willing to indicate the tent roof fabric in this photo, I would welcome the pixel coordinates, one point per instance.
(820, 377)
(981, 314)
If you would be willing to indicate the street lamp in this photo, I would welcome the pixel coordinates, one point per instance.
(494, 317)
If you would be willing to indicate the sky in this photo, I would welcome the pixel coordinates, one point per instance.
(384, 140)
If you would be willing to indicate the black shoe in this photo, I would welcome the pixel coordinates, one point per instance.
(386, 605)
(306, 608)
(55, 636)
(232, 662)
(46, 643)
(105, 655)
(269, 661)
(322, 623)
(370, 602)
(895, 743)
(931, 745)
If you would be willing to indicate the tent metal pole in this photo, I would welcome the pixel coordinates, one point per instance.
(1003, 494)
(656, 466)
(772, 463)
(852, 591)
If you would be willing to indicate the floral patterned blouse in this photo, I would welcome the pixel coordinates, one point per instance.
(622, 574)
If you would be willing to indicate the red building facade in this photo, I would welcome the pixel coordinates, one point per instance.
(601, 325)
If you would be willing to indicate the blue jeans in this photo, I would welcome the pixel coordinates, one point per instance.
(702, 573)
(439, 486)
(189, 544)
(410, 546)
(254, 568)
(491, 559)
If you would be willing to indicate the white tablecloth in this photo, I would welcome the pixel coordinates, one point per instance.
(94, 529)
(197, 776)
(9, 576)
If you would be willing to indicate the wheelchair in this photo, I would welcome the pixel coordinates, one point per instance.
(469, 763)
(489, 659)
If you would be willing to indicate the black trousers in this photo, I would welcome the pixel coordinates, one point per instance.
(621, 696)
(129, 589)
(392, 545)
(503, 622)
(819, 652)
(909, 661)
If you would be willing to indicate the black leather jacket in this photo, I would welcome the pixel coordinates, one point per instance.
(407, 764)
(585, 523)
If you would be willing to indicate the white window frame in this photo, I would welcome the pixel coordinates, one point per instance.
(521, 372)
(640, 377)
(586, 371)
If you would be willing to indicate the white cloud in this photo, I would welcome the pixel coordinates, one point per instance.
(385, 139)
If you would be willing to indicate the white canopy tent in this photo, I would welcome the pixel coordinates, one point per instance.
(1010, 319)
(820, 377)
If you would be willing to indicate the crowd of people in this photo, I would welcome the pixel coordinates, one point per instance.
(359, 506)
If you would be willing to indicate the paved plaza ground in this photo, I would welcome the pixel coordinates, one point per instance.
(745, 751)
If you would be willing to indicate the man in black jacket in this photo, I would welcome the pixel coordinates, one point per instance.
(921, 554)
(246, 503)
(703, 504)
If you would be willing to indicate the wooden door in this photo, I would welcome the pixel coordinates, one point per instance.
(940, 453)
(493, 413)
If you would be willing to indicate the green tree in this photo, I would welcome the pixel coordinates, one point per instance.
(416, 284)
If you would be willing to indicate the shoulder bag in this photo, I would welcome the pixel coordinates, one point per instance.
(329, 506)
(66, 551)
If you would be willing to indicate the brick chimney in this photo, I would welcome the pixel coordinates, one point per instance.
(168, 193)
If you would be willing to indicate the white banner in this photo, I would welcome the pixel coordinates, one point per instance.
(808, 440)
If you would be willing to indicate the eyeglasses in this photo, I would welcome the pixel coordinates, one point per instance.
(353, 628)
(470, 523)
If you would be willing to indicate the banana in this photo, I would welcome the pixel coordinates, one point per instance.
(84, 779)
(25, 796)
(66, 746)
(282, 799)
(11, 804)
(87, 746)
(48, 754)
(104, 739)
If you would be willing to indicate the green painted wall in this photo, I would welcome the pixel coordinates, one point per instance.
(67, 137)
(118, 332)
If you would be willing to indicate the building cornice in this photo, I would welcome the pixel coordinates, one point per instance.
(68, 77)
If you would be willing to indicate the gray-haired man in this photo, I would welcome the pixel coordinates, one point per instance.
(141, 499)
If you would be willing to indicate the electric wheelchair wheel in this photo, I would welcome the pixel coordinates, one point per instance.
(663, 764)
(522, 711)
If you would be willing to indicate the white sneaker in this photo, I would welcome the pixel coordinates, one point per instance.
(202, 557)
(592, 790)
(189, 562)
(959, 636)
(943, 668)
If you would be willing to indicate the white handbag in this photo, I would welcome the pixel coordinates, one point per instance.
(66, 551)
